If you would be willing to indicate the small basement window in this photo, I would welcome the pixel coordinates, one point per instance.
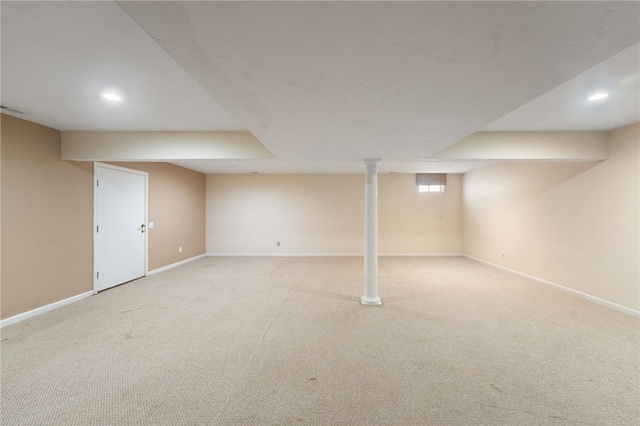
(430, 188)
(431, 182)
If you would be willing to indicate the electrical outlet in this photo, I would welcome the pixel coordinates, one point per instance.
(278, 243)
(179, 249)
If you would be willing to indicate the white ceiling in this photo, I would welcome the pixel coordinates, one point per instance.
(58, 58)
(566, 107)
(324, 84)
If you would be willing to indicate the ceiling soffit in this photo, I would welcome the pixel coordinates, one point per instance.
(341, 81)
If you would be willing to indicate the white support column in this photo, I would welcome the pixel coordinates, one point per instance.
(370, 297)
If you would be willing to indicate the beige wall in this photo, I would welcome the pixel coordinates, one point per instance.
(177, 210)
(325, 214)
(46, 219)
(413, 222)
(573, 224)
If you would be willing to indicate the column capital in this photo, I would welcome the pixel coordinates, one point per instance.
(370, 161)
(371, 165)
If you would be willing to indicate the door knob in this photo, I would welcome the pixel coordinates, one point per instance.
(142, 228)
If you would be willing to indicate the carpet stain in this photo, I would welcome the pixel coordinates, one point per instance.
(495, 387)
(128, 335)
(312, 378)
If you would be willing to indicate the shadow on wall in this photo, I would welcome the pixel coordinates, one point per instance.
(571, 224)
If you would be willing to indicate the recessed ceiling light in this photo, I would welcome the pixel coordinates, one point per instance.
(598, 96)
(111, 96)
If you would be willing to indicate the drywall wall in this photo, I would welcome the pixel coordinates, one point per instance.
(177, 210)
(573, 224)
(528, 146)
(314, 214)
(46, 219)
(413, 222)
(160, 146)
(0, 217)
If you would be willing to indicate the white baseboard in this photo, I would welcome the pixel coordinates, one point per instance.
(41, 310)
(421, 254)
(328, 254)
(175, 265)
(589, 297)
(281, 254)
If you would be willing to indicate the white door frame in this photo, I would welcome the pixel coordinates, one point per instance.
(96, 165)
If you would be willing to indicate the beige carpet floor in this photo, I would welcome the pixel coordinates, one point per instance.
(284, 341)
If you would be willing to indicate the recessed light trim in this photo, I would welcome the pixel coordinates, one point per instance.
(598, 96)
(112, 96)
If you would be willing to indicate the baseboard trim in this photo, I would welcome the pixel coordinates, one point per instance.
(329, 254)
(281, 254)
(41, 310)
(175, 265)
(578, 293)
(421, 254)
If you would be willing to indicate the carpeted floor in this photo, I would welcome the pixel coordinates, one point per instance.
(284, 341)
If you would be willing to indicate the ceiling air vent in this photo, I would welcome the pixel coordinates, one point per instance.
(6, 108)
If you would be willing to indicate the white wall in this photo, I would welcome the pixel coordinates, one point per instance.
(573, 224)
(325, 214)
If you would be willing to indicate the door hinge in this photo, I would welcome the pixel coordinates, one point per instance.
(97, 275)
(97, 182)
(98, 228)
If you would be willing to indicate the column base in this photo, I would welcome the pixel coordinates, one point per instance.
(370, 302)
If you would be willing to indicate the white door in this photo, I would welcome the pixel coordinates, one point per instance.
(120, 234)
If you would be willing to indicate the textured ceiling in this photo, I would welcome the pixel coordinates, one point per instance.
(566, 107)
(341, 81)
(58, 57)
(323, 84)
